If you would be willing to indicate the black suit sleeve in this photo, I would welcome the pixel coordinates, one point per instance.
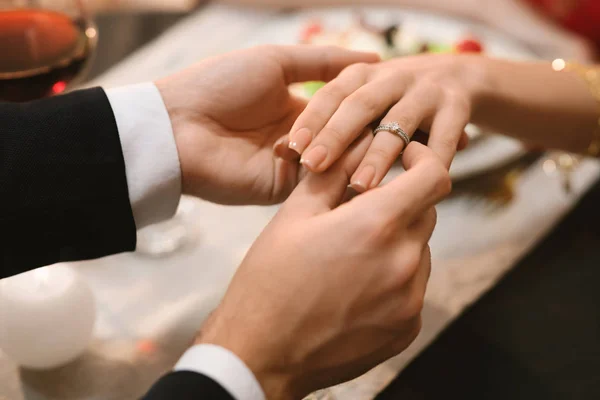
(64, 197)
(63, 187)
(184, 385)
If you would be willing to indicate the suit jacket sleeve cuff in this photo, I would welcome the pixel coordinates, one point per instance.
(151, 159)
(225, 368)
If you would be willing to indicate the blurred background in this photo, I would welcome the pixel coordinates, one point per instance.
(123, 32)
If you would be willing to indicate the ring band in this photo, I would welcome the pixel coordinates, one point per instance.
(394, 128)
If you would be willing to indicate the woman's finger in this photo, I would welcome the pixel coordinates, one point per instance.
(409, 114)
(446, 131)
(358, 110)
(323, 106)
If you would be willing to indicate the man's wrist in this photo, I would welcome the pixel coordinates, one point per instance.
(224, 368)
(188, 125)
(175, 113)
(275, 383)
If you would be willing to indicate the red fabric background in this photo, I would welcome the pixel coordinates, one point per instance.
(579, 16)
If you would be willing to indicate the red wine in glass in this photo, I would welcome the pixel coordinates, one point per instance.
(41, 52)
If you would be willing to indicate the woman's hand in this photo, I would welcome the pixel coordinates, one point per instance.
(435, 93)
(329, 291)
(227, 112)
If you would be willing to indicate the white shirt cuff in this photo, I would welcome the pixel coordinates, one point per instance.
(149, 150)
(223, 367)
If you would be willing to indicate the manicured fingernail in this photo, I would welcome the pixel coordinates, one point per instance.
(363, 178)
(300, 140)
(314, 157)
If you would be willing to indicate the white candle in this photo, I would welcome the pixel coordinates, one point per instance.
(46, 317)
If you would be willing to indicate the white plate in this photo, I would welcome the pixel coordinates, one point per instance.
(485, 153)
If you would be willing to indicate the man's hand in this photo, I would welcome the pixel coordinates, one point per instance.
(228, 112)
(327, 291)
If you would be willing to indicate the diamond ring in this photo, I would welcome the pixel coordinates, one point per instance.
(394, 128)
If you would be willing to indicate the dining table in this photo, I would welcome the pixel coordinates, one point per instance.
(513, 305)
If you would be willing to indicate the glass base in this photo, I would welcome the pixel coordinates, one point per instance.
(170, 236)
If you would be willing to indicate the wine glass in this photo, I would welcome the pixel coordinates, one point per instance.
(45, 47)
(164, 238)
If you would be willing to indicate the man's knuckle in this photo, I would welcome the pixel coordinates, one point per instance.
(407, 335)
(443, 183)
(406, 268)
(432, 216)
(413, 307)
(412, 328)
(410, 263)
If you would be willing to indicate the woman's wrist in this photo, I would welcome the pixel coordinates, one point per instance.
(533, 103)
